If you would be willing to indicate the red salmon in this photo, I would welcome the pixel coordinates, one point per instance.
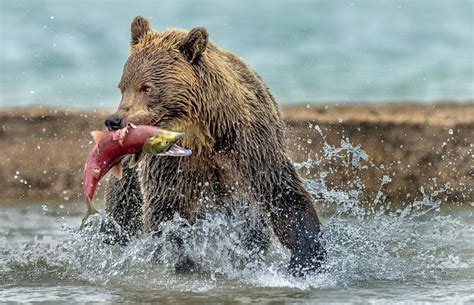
(112, 146)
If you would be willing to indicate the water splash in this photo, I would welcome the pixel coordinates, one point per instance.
(366, 240)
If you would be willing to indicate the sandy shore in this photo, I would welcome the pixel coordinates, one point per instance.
(422, 148)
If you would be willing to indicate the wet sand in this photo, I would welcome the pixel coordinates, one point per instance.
(423, 148)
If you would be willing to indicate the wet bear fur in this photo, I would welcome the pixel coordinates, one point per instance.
(181, 81)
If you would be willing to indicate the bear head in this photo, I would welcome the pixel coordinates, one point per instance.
(163, 81)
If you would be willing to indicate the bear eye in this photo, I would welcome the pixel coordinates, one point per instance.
(146, 88)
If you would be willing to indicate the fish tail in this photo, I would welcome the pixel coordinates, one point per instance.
(90, 211)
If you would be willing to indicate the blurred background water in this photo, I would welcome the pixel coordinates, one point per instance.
(71, 53)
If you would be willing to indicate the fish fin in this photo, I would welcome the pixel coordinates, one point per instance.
(97, 135)
(134, 160)
(117, 170)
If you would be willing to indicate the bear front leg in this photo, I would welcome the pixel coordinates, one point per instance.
(296, 224)
(169, 187)
(124, 203)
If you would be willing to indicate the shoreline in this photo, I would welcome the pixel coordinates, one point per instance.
(420, 146)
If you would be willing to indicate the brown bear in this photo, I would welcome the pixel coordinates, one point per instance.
(181, 81)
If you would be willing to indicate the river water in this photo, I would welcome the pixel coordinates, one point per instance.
(421, 251)
(71, 53)
(412, 256)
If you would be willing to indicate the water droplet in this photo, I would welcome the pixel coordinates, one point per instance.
(309, 141)
(44, 207)
(386, 179)
(450, 131)
(340, 120)
(66, 195)
(32, 92)
(52, 17)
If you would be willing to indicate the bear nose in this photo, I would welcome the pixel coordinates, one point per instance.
(113, 122)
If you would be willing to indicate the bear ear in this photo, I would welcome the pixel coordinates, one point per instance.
(194, 44)
(139, 28)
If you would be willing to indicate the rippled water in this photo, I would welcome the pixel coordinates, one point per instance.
(411, 256)
(71, 53)
(421, 252)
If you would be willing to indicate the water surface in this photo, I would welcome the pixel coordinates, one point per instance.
(71, 53)
(418, 255)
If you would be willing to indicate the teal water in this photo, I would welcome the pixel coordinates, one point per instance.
(70, 53)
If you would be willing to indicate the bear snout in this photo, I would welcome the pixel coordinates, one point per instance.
(113, 122)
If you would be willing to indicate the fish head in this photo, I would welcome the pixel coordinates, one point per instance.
(164, 144)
